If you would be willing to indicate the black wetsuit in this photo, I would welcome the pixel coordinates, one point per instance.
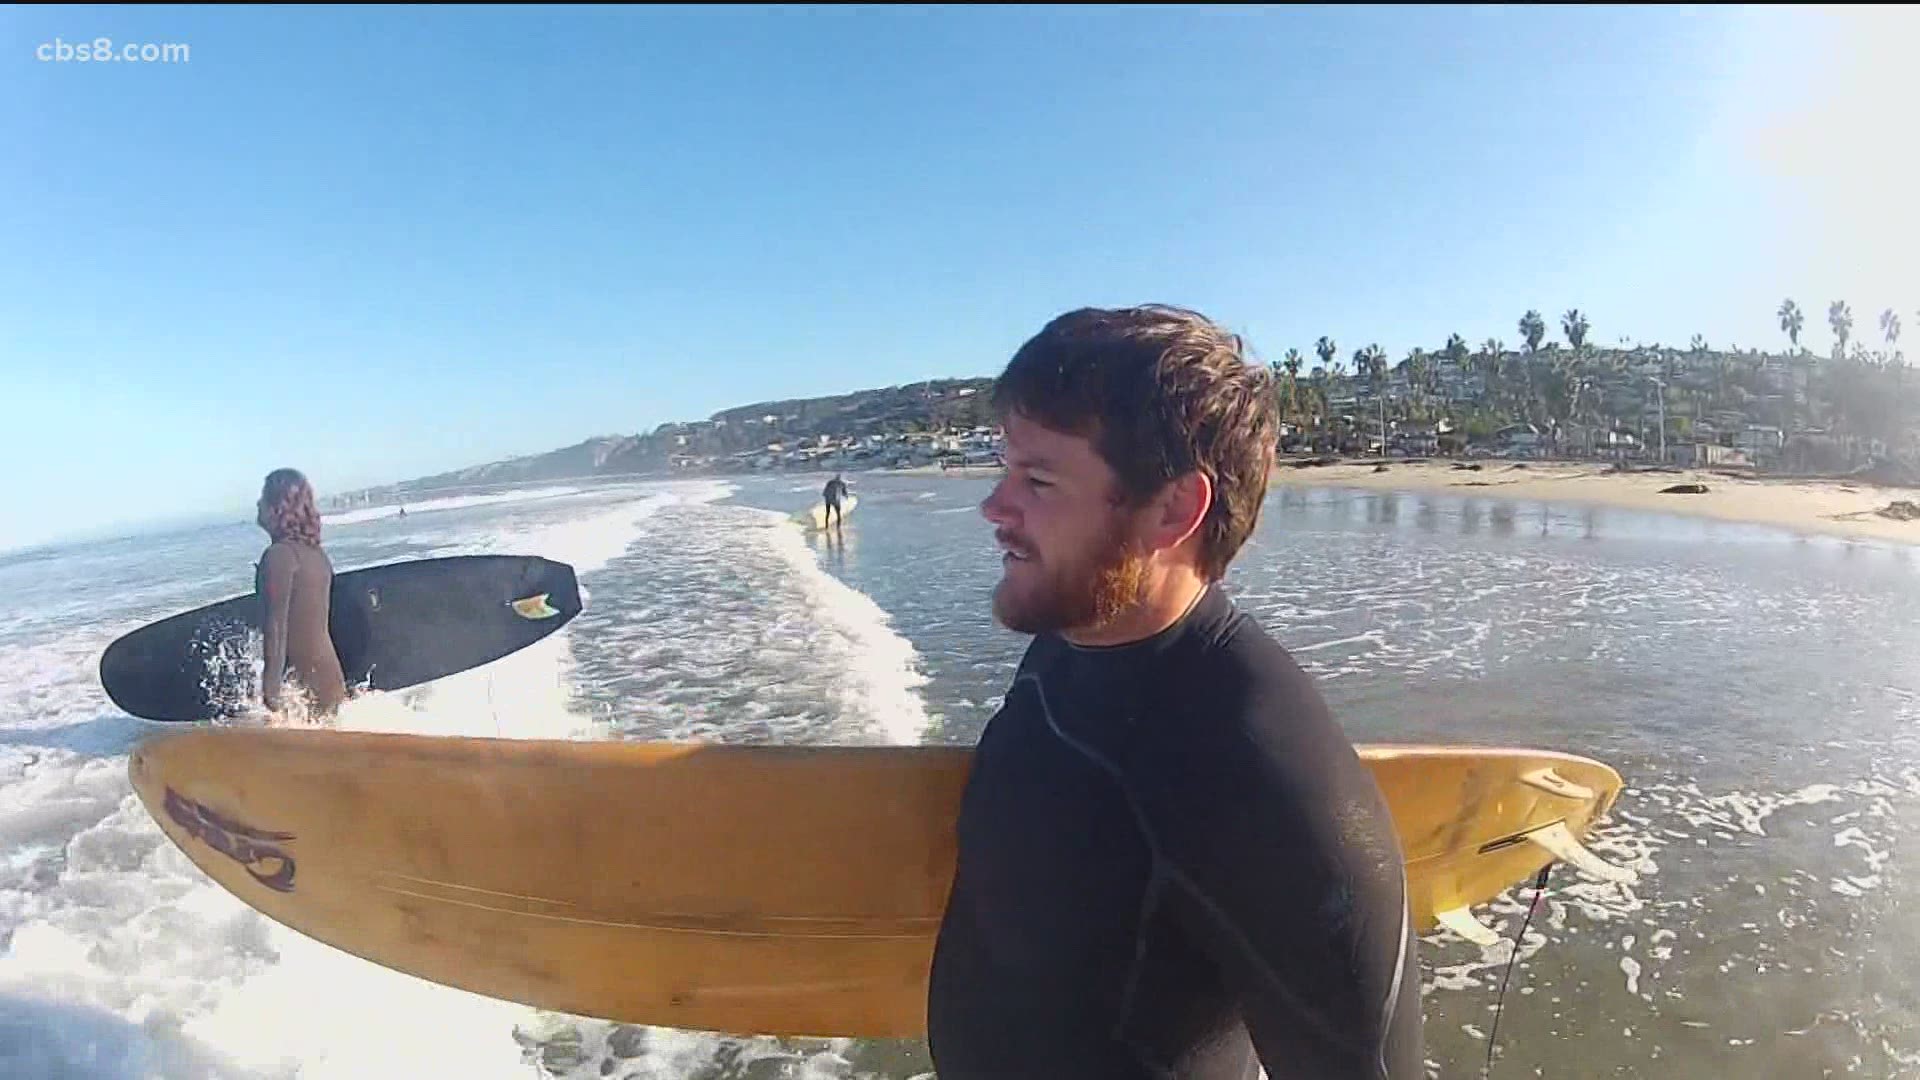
(836, 489)
(1173, 864)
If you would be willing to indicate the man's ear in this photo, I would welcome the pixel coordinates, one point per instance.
(1181, 509)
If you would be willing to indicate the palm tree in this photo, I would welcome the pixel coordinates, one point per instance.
(1318, 380)
(1791, 321)
(1420, 372)
(1327, 350)
(1313, 406)
(1533, 328)
(1370, 363)
(1517, 368)
(1456, 353)
(1841, 319)
(1575, 326)
(1489, 365)
(1282, 395)
(1581, 377)
(1292, 367)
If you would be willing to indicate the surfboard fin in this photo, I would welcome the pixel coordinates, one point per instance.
(535, 607)
(1561, 844)
(1553, 783)
(1461, 921)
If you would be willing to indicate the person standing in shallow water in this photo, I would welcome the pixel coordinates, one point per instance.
(1172, 864)
(834, 493)
(294, 581)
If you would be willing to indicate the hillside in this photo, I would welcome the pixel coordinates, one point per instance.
(582, 460)
(1795, 412)
(715, 444)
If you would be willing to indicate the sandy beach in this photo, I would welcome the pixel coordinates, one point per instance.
(1822, 507)
(1818, 507)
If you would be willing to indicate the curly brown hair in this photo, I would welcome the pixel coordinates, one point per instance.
(288, 511)
(1160, 391)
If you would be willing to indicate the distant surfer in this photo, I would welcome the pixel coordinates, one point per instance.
(295, 581)
(835, 491)
(1172, 863)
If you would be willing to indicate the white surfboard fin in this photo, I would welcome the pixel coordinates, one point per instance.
(1561, 844)
(1553, 783)
(1461, 921)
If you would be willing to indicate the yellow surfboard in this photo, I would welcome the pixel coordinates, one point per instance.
(765, 890)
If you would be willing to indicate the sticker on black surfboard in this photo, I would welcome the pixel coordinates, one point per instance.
(534, 607)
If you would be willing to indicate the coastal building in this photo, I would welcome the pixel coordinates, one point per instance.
(1706, 455)
(1761, 443)
(1524, 440)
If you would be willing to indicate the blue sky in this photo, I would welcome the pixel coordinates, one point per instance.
(377, 243)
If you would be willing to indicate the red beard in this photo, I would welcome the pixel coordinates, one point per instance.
(1086, 594)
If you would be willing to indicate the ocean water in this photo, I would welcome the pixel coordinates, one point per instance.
(1760, 693)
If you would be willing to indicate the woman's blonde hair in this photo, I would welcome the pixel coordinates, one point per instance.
(290, 511)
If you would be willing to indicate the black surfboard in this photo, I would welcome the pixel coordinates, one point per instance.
(393, 627)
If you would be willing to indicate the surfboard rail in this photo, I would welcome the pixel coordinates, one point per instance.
(790, 890)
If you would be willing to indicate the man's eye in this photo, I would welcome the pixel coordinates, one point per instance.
(1039, 483)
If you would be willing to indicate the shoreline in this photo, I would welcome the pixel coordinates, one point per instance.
(1830, 508)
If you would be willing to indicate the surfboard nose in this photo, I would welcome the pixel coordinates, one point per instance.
(556, 582)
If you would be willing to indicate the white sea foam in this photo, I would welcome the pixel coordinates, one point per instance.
(448, 502)
(121, 959)
(882, 668)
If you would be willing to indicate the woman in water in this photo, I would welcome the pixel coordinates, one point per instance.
(295, 581)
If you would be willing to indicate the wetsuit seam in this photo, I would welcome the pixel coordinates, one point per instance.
(1246, 946)
(1100, 760)
(1392, 1001)
(1172, 872)
(1233, 627)
(1155, 875)
(1149, 902)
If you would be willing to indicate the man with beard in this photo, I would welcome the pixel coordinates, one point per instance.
(1172, 863)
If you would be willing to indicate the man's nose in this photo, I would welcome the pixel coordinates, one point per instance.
(994, 507)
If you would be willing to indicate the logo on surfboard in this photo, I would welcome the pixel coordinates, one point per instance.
(534, 607)
(255, 849)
